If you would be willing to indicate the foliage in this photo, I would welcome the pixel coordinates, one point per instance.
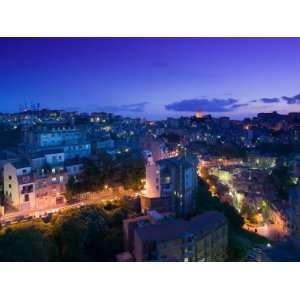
(79, 233)
(205, 202)
(250, 213)
(126, 169)
(281, 179)
(237, 251)
(129, 170)
(27, 242)
(89, 233)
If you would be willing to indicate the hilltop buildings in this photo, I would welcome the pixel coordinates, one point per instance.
(71, 139)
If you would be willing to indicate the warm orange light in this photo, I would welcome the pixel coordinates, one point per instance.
(199, 114)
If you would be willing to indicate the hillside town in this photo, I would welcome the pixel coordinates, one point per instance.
(196, 188)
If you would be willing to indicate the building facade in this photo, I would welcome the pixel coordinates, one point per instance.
(71, 139)
(35, 183)
(163, 238)
(171, 184)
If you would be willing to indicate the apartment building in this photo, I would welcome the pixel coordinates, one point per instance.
(170, 185)
(37, 182)
(19, 188)
(73, 140)
(158, 237)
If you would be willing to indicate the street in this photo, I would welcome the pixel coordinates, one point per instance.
(106, 195)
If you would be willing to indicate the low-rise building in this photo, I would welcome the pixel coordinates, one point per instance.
(72, 140)
(19, 189)
(36, 183)
(163, 238)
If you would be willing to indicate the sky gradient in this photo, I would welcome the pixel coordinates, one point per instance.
(152, 77)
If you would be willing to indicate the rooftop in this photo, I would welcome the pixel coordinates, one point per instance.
(21, 163)
(177, 228)
(176, 161)
(42, 153)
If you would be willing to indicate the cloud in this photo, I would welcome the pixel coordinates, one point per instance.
(134, 107)
(235, 106)
(216, 105)
(292, 100)
(207, 105)
(269, 100)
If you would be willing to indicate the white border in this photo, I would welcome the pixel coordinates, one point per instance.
(149, 281)
(149, 18)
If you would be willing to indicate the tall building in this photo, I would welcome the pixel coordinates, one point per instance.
(155, 146)
(159, 237)
(170, 185)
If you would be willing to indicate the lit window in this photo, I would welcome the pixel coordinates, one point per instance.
(168, 179)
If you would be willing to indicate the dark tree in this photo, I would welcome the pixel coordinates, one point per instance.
(27, 242)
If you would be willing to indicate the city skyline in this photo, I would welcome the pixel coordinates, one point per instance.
(152, 77)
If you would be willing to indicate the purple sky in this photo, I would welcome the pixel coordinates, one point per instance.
(152, 77)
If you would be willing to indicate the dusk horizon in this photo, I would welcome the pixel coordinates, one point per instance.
(25, 107)
(153, 78)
